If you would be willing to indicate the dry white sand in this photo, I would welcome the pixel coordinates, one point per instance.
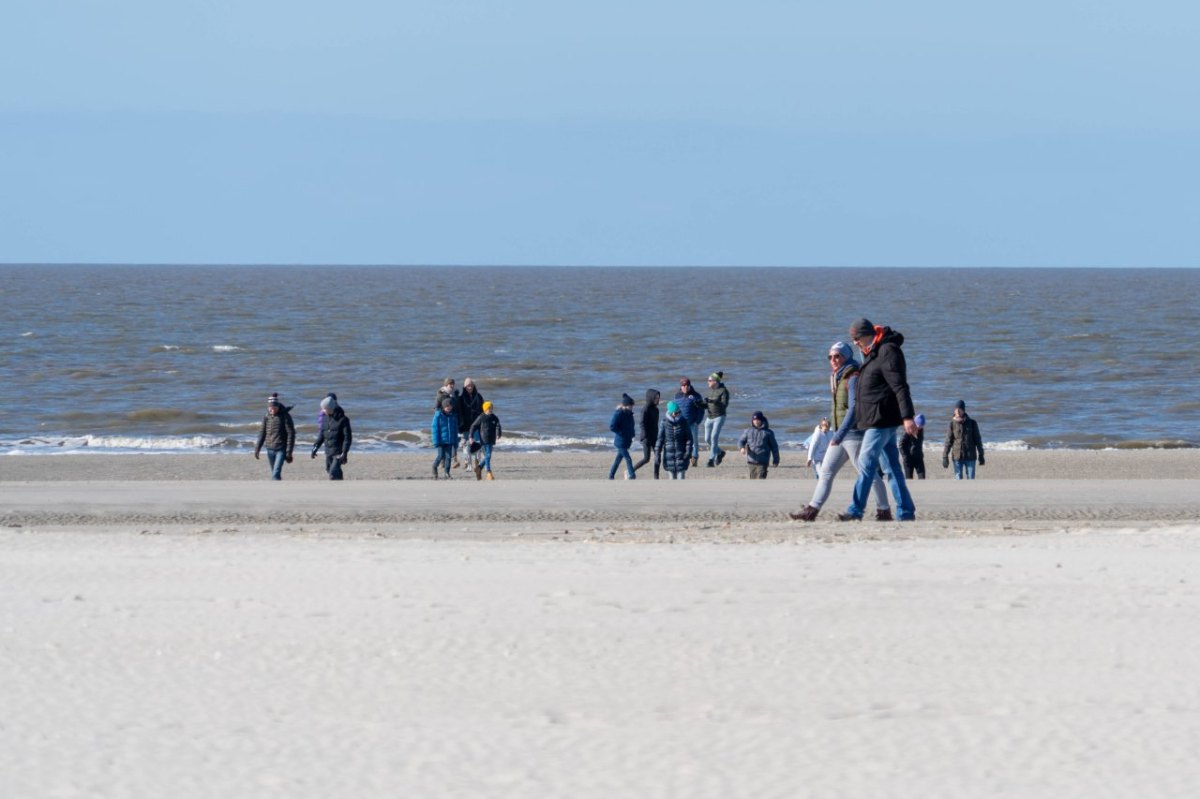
(171, 631)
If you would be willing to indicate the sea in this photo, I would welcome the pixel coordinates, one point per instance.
(118, 359)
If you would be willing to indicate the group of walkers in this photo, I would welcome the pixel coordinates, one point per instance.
(870, 405)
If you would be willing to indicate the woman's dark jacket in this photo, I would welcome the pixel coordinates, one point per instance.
(674, 445)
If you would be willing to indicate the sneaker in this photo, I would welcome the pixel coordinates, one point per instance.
(848, 517)
(435, 472)
(884, 515)
(912, 518)
(720, 456)
(710, 463)
(806, 514)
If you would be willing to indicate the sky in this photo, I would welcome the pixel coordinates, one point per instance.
(866, 133)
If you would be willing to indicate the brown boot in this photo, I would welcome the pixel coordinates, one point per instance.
(883, 515)
(806, 514)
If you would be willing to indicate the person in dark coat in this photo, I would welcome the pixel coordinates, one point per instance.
(912, 450)
(647, 429)
(674, 445)
(623, 428)
(759, 446)
(487, 431)
(882, 405)
(278, 435)
(963, 444)
(691, 405)
(470, 408)
(336, 435)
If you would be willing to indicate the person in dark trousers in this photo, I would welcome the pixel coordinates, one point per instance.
(691, 405)
(470, 407)
(449, 392)
(336, 435)
(673, 449)
(759, 446)
(882, 405)
(278, 435)
(487, 431)
(623, 428)
(647, 429)
(444, 433)
(912, 450)
(963, 444)
(716, 403)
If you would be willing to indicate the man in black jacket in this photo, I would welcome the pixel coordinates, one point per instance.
(882, 405)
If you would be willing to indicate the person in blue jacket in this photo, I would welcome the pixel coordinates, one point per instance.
(622, 426)
(692, 406)
(445, 435)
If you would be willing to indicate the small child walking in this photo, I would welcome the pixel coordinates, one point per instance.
(817, 444)
(445, 435)
(759, 446)
(487, 431)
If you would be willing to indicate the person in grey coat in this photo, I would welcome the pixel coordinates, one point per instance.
(759, 446)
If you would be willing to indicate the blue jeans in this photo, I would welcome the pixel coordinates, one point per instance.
(879, 450)
(446, 454)
(275, 458)
(487, 457)
(964, 469)
(712, 431)
(695, 428)
(622, 454)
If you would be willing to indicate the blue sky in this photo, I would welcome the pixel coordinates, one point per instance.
(623, 133)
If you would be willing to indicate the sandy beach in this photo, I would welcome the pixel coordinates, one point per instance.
(178, 625)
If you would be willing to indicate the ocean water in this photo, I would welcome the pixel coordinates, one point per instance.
(112, 359)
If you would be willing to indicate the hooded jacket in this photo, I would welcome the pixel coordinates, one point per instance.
(622, 426)
(277, 432)
(760, 444)
(647, 420)
(336, 434)
(674, 445)
(963, 442)
(883, 400)
(444, 429)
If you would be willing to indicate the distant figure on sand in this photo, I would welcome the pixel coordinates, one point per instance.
(443, 431)
(449, 392)
(759, 446)
(336, 435)
(647, 429)
(817, 444)
(883, 405)
(715, 405)
(623, 428)
(964, 445)
(846, 441)
(470, 407)
(278, 435)
(487, 431)
(691, 405)
(912, 450)
(674, 446)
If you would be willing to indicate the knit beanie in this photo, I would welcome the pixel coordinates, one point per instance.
(920, 420)
(487, 406)
(672, 407)
(627, 400)
(960, 406)
(843, 349)
(273, 399)
(862, 328)
(329, 404)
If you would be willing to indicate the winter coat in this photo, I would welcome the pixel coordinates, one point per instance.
(455, 401)
(335, 434)
(760, 445)
(486, 429)
(691, 405)
(674, 445)
(717, 401)
(963, 442)
(647, 420)
(277, 432)
(912, 448)
(622, 426)
(470, 407)
(817, 443)
(444, 429)
(883, 400)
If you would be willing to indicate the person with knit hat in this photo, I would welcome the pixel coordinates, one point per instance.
(443, 432)
(691, 405)
(278, 434)
(623, 428)
(912, 450)
(487, 431)
(449, 392)
(963, 445)
(336, 436)
(673, 447)
(716, 402)
(846, 440)
(759, 446)
(882, 406)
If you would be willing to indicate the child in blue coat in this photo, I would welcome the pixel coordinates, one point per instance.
(623, 428)
(445, 436)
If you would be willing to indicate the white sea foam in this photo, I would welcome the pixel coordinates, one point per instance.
(226, 348)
